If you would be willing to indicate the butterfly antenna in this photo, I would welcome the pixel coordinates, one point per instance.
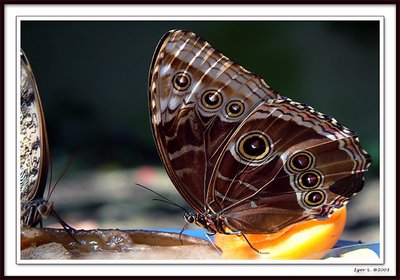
(172, 203)
(72, 157)
(164, 199)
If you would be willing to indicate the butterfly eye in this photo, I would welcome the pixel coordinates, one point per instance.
(189, 218)
(254, 146)
(234, 108)
(211, 99)
(314, 198)
(181, 81)
(309, 180)
(42, 209)
(301, 161)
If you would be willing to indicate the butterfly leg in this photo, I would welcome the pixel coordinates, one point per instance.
(239, 233)
(181, 232)
(66, 226)
(208, 235)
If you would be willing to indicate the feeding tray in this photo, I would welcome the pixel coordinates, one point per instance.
(50, 243)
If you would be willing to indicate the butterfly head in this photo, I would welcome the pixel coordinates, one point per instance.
(34, 211)
(190, 217)
(209, 221)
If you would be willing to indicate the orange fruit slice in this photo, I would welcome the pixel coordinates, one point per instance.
(296, 242)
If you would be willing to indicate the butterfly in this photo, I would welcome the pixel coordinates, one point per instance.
(34, 150)
(245, 158)
(34, 153)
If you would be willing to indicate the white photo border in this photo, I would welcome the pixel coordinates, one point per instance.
(386, 14)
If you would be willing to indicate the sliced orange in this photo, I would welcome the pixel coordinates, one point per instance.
(296, 242)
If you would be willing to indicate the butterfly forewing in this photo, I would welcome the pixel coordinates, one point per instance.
(33, 145)
(241, 155)
(189, 82)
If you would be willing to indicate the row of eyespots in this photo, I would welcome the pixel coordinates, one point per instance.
(307, 179)
(210, 99)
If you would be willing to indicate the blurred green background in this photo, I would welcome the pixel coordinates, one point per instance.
(92, 77)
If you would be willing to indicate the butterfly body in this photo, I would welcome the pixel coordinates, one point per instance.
(245, 158)
(209, 221)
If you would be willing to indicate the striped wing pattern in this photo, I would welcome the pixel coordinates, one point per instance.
(33, 148)
(244, 157)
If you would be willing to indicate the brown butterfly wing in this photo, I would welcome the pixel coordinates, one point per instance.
(33, 138)
(198, 97)
(284, 164)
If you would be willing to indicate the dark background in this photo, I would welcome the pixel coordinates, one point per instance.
(92, 77)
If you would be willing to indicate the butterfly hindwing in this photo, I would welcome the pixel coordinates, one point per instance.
(286, 163)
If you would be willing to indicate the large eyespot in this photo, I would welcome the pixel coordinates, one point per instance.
(314, 198)
(301, 161)
(309, 179)
(254, 146)
(181, 81)
(234, 108)
(211, 99)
